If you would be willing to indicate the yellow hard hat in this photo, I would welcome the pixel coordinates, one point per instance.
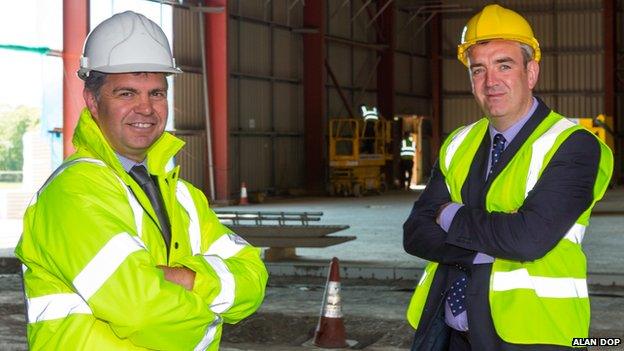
(497, 22)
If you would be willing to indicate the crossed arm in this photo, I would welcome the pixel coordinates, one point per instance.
(563, 192)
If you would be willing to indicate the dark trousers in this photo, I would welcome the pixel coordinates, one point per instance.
(406, 172)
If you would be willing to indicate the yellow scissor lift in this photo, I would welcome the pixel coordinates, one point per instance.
(357, 153)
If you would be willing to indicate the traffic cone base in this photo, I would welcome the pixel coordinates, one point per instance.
(330, 330)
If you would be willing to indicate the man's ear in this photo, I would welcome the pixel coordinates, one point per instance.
(91, 101)
(533, 70)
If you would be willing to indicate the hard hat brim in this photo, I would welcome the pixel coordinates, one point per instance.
(462, 49)
(83, 73)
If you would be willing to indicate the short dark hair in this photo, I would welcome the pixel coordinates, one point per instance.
(526, 50)
(94, 82)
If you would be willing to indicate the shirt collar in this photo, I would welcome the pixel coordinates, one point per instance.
(512, 131)
(127, 163)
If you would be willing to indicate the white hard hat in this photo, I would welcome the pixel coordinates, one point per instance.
(127, 42)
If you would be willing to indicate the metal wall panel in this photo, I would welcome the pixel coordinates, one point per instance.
(186, 48)
(364, 72)
(188, 97)
(251, 8)
(459, 111)
(255, 162)
(234, 98)
(409, 105)
(192, 159)
(340, 23)
(255, 105)
(581, 72)
(335, 106)
(289, 108)
(265, 92)
(188, 102)
(402, 72)
(287, 48)
(579, 30)
(233, 45)
(339, 58)
(421, 76)
(254, 48)
(289, 163)
(455, 77)
(576, 106)
(412, 36)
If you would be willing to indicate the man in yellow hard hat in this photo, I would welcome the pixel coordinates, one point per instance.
(504, 213)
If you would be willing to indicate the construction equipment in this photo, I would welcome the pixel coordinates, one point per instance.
(601, 126)
(358, 149)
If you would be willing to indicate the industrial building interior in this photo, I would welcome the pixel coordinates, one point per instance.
(273, 101)
(277, 72)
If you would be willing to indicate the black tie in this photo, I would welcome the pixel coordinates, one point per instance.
(139, 173)
(456, 296)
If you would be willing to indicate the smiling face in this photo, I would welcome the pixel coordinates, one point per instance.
(131, 111)
(501, 83)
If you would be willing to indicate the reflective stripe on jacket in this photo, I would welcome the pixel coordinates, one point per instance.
(408, 148)
(551, 289)
(91, 246)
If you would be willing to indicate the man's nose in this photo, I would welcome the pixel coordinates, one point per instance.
(144, 105)
(491, 79)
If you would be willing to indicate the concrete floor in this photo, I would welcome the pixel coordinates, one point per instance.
(374, 308)
(377, 222)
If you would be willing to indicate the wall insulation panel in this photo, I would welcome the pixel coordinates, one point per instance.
(192, 159)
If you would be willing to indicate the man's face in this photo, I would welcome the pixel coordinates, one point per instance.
(501, 83)
(131, 111)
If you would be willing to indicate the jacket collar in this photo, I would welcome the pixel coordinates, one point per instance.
(89, 138)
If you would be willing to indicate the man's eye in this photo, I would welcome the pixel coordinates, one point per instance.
(505, 67)
(477, 71)
(125, 94)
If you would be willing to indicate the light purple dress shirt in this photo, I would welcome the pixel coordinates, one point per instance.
(127, 163)
(460, 322)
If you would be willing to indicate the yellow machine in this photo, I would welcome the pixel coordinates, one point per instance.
(601, 126)
(358, 150)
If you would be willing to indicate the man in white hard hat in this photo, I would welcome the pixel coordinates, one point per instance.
(504, 213)
(119, 253)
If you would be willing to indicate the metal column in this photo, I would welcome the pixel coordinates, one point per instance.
(217, 70)
(385, 74)
(435, 63)
(609, 25)
(313, 95)
(75, 29)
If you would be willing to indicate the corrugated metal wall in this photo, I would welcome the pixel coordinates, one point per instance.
(571, 77)
(355, 65)
(188, 98)
(266, 95)
(412, 77)
(265, 90)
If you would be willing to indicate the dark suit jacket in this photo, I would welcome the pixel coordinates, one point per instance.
(563, 192)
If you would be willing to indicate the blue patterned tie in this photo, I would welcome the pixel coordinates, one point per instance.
(498, 145)
(456, 296)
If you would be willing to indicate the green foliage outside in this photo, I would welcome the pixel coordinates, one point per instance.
(14, 122)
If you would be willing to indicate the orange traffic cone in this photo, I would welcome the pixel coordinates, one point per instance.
(330, 330)
(243, 195)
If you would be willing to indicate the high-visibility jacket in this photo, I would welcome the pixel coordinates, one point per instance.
(551, 289)
(408, 148)
(91, 246)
